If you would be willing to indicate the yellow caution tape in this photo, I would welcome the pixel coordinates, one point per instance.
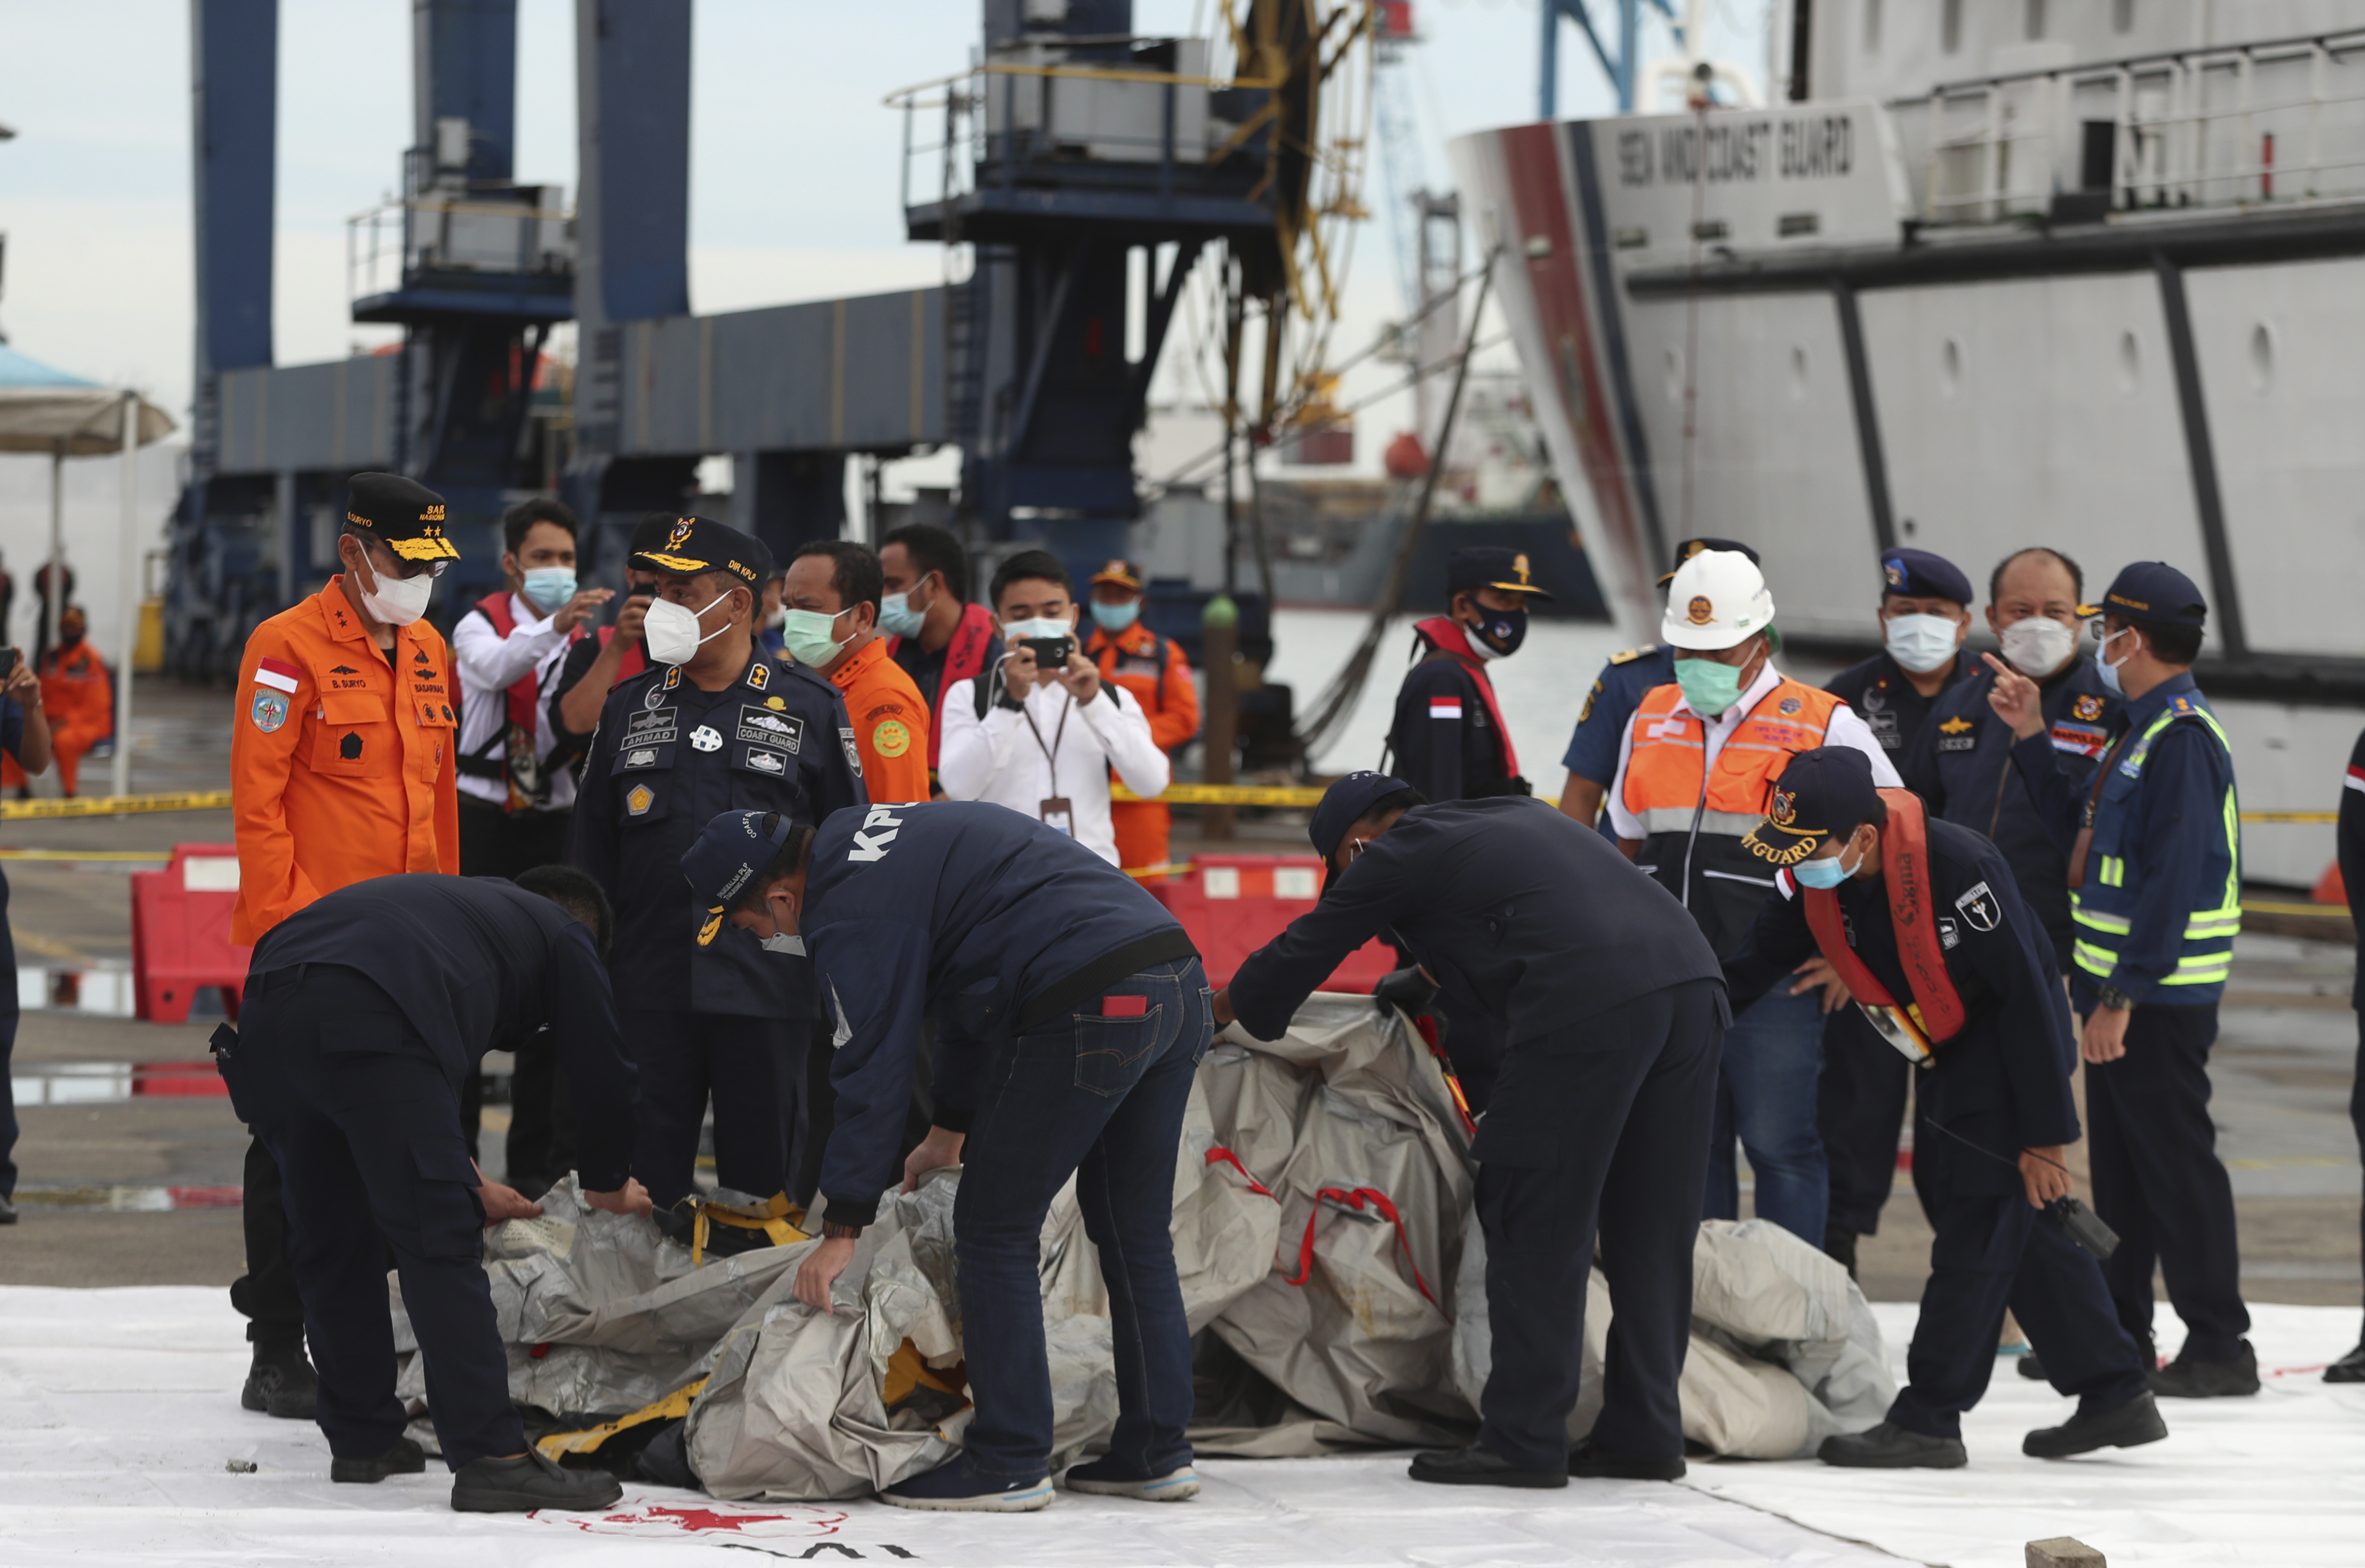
(665, 1409)
(2291, 816)
(152, 856)
(1172, 869)
(2321, 910)
(1224, 795)
(117, 806)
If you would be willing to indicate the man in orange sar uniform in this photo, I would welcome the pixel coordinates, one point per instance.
(1156, 671)
(80, 699)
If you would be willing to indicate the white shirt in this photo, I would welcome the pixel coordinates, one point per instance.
(490, 663)
(1846, 728)
(999, 759)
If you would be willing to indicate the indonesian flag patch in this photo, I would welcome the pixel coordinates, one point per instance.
(2356, 779)
(274, 673)
(1445, 708)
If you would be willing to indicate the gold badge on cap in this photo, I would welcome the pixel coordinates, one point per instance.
(680, 533)
(1785, 809)
(1700, 612)
(1519, 565)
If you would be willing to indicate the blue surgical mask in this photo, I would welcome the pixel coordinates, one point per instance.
(2105, 668)
(896, 616)
(1114, 618)
(1827, 872)
(550, 587)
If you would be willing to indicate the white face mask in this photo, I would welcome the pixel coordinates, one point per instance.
(2036, 645)
(1039, 626)
(1922, 643)
(398, 601)
(671, 631)
(781, 941)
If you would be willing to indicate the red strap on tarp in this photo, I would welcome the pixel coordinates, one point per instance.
(1355, 1200)
(1225, 1156)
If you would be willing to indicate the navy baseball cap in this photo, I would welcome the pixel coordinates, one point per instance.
(1490, 566)
(731, 851)
(1342, 803)
(693, 546)
(1822, 793)
(2154, 592)
(1918, 574)
(1691, 547)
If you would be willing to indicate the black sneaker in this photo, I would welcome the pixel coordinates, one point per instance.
(958, 1486)
(281, 1383)
(1891, 1447)
(1476, 1466)
(2186, 1377)
(1592, 1462)
(2136, 1422)
(2350, 1367)
(405, 1458)
(1106, 1478)
(528, 1481)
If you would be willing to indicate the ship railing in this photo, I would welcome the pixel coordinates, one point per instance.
(403, 237)
(2227, 126)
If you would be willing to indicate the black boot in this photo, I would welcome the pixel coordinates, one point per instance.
(405, 1458)
(2350, 1367)
(528, 1481)
(2190, 1378)
(2137, 1421)
(1476, 1466)
(1839, 1246)
(1891, 1447)
(281, 1383)
(1592, 1461)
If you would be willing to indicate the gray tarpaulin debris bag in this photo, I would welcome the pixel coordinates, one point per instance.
(1785, 1352)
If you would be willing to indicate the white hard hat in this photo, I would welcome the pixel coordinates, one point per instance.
(1718, 598)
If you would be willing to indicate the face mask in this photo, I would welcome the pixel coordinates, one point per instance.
(671, 631)
(1922, 643)
(2036, 645)
(781, 941)
(2103, 664)
(807, 634)
(550, 587)
(1500, 634)
(1114, 618)
(1710, 687)
(1826, 873)
(1039, 627)
(398, 601)
(896, 616)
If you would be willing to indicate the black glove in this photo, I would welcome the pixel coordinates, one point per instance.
(1408, 988)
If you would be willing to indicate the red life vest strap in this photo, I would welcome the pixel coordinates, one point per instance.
(1905, 872)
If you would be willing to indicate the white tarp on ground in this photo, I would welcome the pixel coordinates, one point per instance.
(118, 1416)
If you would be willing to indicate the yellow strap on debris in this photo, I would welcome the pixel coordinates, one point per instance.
(774, 1219)
(665, 1409)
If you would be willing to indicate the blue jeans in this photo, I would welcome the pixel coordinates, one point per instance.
(1773, 1061)
(1102, 1098)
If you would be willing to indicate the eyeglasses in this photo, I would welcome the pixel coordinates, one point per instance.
(400, 569)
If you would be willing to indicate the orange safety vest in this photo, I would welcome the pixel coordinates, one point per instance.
(1935, 1007)
(1693, 820)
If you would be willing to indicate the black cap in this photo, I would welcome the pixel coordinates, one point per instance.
(1490, 566)
(405, 516)
(651, 533)
(1342, 803)
(1691, 547)
(2155, 593)
(1918, 574)
(730, 851)
(1822, 793)
(692, 547)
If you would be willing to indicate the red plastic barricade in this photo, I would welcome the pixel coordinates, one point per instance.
(179, 933)
(1233, 904)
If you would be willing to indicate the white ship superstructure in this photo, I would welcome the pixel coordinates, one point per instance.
(1994, 273)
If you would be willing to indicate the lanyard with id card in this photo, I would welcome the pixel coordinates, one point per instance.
(1058, 813)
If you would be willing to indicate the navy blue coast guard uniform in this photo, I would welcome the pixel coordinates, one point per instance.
(363, 1011)
(704, 1007)
(1070, 1015)
(1609, 706)
(1608, 997)
(2002, 1083)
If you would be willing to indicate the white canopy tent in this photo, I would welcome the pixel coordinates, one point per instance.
(43, 410)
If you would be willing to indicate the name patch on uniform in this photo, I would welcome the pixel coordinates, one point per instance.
(1445, 707)
(1149, 668)
(771, 729)
(646, 756)
(1958, 743)
(270, 710)
(2077, 740)
(1982, 908)
(762, 761)
(706, 737)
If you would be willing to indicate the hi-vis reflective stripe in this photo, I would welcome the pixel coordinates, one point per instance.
(2201, 927)
(1445, 708)
(1678, 819)
(2114, 874)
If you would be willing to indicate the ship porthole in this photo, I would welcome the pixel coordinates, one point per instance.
(1798, 374)
(2130, 361)
(1950, 368)
(2262, 358)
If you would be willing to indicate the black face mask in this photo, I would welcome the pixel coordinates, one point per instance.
(1503, 629)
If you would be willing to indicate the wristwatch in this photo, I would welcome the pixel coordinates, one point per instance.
(2112, 996)
(833, 1231)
